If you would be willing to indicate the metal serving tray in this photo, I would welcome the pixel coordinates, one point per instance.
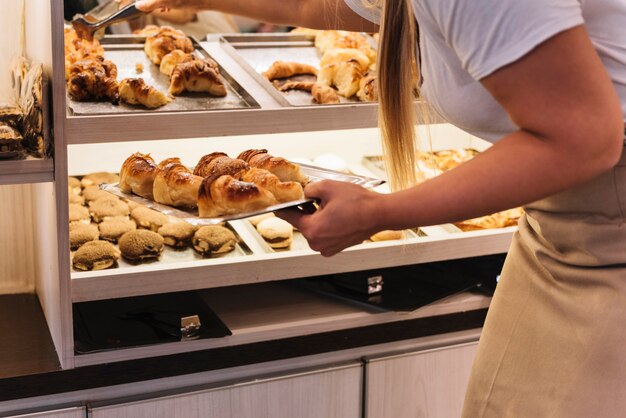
(255, 53)
(191, 216)
(126, 52)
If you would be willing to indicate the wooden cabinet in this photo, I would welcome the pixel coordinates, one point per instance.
(77, 412)
(329, 393)
(428, 384)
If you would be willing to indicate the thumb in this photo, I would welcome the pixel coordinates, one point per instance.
(319, 190)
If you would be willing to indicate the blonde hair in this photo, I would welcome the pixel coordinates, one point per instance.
(396, 68)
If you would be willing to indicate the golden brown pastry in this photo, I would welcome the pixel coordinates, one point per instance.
(136, 91)
(283, 169)
(304, 31)
(171, 60)
(283, 191)
(327, 40)
(164, 41)
(81, 233)
(79, 213)
(225, 195)
(73, 185)
(137, 175)
(176, 185)
(102, 209)
(213, 240)
(322, 93)
(343, 68)
(76, 198)
(111, 229)
(255, 220)
(147, 30)
(141, 244)
(95, 255)
(147, 218)
(282, 69)
(94, 179)
(277, 232)
(92, 193)
(219, 163)
(387, 235)
(368, 91)
(197, 76)
(93, 78)
(177, 234)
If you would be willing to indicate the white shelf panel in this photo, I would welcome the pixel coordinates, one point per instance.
(173, 277)
(30, 170)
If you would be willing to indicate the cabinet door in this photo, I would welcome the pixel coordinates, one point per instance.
(334, 393)
(60, 413)
(429, 384)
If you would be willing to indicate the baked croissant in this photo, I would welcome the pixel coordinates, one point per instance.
(93, 78)
(176, 185)
(327, 40)
(219, 163)
(368, 91)
(225, 195)
(283, 169)
(197, 76)
(322, 93)
(136, 91)
(164, 41)
(137, 175)
(282, 69)
(172, 59)
(283, 191)
(343, 68)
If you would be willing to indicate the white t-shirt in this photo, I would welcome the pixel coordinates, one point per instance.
(463, 41)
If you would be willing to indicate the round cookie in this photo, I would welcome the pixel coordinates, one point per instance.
(141, 244)
(277, 232)
(111, 229)
(106, 208)
(92, 193)
(177, 234)
(214, 239)
(81, 233)
(79, 213)
(148, 219)
(95, 179)
(95, 255)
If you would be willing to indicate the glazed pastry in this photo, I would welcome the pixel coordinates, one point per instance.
(197, 76)
(224, 195)
(283, 191)
(81, 233)
(148, 219)
(255, 220)
(177, 234)
(95, 255)
(282, 69)
(92, 193)
(322, 93)
(218, 163)
(283, 169)
(176, 185)
(141, 244)
(136, 91)
(277, 232)
(343, 68)
(387, 235)
(213, 240)
(94, 179)
(93, 78)
(368, 91)
(111, 229)
(102, 209)
(79, 213)
(164, 41)
(171, 60)
(137, 175)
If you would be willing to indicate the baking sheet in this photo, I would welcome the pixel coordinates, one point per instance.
(191, 216)
(126, 51)
(255, 53)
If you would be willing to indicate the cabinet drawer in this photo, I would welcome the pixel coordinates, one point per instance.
(321, 394)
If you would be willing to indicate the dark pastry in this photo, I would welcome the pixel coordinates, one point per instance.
(141, 244)
(214, 239)
(177, 234)
(95, 255)
(148, 219)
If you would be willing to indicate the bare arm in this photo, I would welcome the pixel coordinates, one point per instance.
(316, 14)
(571, 129)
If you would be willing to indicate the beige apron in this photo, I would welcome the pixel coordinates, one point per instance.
(554, 341)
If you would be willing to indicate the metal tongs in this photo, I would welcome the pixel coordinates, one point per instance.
(85, 27)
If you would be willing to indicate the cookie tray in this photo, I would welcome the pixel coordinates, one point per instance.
(191, 216)
(127, 52)
(255, 53)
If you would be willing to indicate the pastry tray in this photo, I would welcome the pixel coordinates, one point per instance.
(191, 216)
(255, 53)
(126, 51)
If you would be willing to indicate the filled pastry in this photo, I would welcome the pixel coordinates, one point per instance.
(81, 233)
(141, 244)
(93, 193)
(79, 213)
(147, 218)
(277, 232)
(102, 209)
(176, 185)
(111, 229)
(136, 91)
(213, 240)
(219, 163)
(197, 76)
(94, 179)
(177, 234)
(283, 169)
(283, 191)
(282, 69)
(137, 175)
(95, 255)
(225, 195)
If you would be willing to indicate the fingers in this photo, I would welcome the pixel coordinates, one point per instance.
(150, 5)
(318, 190)
(291, 215)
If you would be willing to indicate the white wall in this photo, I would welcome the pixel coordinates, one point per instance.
(10, 34)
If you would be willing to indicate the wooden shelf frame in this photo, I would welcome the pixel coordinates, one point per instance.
(30, 170)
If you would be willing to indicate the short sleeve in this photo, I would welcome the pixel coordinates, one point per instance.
(487, 35)
(365, 9)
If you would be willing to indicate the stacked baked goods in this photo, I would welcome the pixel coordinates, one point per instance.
(104, 228)
(218, 185)
(347, 68)
(277, 232)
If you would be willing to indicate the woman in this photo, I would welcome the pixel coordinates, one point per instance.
(545, 80)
